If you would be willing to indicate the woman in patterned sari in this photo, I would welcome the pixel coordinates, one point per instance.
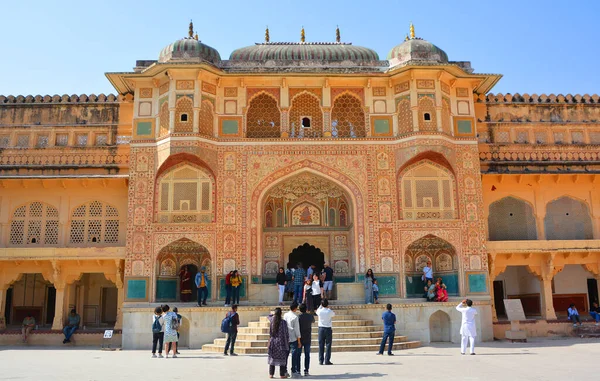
(279, 347)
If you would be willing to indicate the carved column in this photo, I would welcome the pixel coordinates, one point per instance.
(327, 122)
(285, 122)
(120, 294)
(59, 306)
(546, 273)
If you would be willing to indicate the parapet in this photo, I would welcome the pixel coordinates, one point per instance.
(538, 99)
(46, 99)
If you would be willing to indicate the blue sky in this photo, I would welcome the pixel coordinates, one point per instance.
(66, 46)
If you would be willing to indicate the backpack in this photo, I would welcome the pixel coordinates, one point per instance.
(227, 322)
(156, 327)
(175, 323)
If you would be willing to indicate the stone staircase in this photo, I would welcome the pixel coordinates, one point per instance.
(351, 333)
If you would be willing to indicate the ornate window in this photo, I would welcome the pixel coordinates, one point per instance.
(428, 120)
(34, 224)
(185, 195)
(427, 193)
(184, 109)
(263, 119)
(94, 223)
(347, 117)
(306, 117)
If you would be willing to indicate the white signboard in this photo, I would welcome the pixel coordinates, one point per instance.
(108, 334)
(514, 309)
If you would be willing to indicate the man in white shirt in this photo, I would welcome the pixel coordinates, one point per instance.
(468, 331)
(293, 325)
(325, 333)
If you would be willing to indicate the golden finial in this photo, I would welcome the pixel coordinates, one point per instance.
(267, 38)
(191, 31)
(412, 31)
(337, 34)
(302, 35)
(196, 36)
(406, 38)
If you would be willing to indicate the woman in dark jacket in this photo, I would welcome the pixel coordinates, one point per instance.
(279, 346)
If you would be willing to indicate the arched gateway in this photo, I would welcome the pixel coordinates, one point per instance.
(307, 218)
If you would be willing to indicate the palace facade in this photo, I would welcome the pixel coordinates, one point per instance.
(286, 152)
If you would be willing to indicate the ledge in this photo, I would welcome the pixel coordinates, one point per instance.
(41, 253)
(542, 246)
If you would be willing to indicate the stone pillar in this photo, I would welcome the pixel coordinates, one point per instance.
(285, 122)
(548, 312)
(59, 308)
(120, 300)
(3, 289)
(327, 122)
(539, 222)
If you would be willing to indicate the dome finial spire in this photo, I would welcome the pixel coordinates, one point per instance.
(337, 34)
(191, 31)
(412, 31)
(267, 38)
(302, 35)
(406, 38)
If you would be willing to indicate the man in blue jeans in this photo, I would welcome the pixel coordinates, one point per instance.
(306, 321)
(295, 340)
(389, 330)
(325, 332)
(202, 285)
(70, 328)
(299, 277)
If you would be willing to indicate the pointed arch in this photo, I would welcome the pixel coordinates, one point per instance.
(263, 116)
(348, 115)
(568, 218)
(355, 208)
(427, 191)
(445, 263)
(306, 105)
(511, 219)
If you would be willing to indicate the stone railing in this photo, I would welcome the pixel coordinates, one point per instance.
(538, 99)
(83, 98)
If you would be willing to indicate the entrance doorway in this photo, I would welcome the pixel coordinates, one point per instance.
(309, 255)
(499, 298)
(592, 286)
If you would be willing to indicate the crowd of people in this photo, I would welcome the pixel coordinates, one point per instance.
(434, 291)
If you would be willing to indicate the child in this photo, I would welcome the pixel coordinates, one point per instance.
(375, 291)
(158, 332)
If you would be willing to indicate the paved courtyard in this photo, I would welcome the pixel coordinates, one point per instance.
(540, 359)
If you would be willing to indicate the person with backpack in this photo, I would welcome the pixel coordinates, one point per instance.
(179, 322)
(158, 332)
(202, 285)
(171, 327)
(230, 325)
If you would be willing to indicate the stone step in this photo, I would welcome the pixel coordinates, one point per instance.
(336, 335)
(360, 328)
(314, 342)
(335, 323)
(214, 348)
(335, 318)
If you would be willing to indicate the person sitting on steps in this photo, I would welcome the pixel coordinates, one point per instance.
(574, 315)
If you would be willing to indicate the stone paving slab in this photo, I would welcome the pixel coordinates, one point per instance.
(539, 359)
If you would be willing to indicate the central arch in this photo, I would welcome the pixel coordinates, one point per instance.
(347, 248)
(308, 255)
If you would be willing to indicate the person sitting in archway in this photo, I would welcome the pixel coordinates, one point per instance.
(441, 291)
(430, 290)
